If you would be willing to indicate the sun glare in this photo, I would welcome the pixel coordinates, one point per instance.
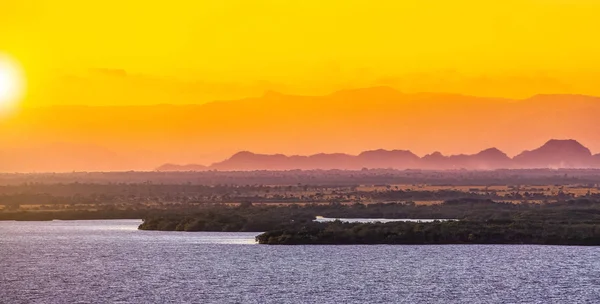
(11, 83)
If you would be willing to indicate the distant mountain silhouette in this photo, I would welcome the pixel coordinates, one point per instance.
(553, 154)
(491, 158)
(250, 161)
(488, 159)
(395, 159)
(556, 154)
(435, 160)
(120, 138)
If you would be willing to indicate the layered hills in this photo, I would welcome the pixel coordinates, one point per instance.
(121, 138)
(553, 154)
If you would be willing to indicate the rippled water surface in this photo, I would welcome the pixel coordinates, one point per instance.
(112, 262)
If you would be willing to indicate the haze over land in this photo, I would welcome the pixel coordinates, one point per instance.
(108, 138)
(133, 85)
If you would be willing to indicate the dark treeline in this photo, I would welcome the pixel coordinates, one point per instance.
(451, 232)
(258, 218)
(230, 219)
(248, 217)
(320, 177)
(478, 221)
(575, 222)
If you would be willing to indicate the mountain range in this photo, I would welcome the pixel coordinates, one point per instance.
(140, 137)
(553, 154)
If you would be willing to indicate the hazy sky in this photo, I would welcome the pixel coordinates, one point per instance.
(235, 48)
(133, 52)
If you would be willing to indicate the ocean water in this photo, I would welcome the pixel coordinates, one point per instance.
(113, 262)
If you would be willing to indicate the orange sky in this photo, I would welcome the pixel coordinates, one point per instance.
(120, 53)
(238, 48)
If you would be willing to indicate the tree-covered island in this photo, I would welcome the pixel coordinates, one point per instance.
(575, 222)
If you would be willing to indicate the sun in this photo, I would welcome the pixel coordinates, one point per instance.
(11, 83)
